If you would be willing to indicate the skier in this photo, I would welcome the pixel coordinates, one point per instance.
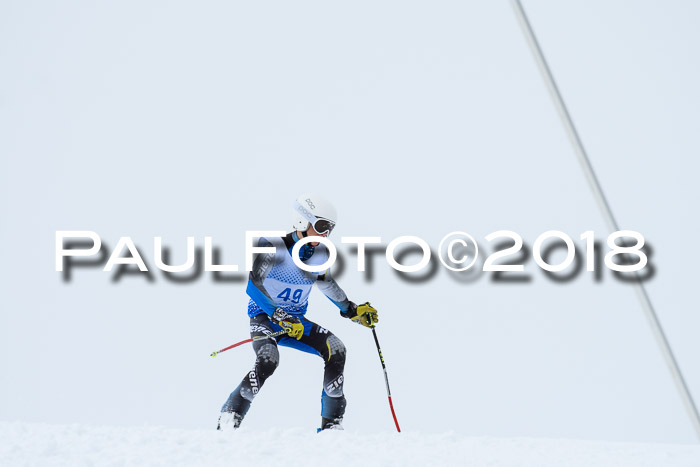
(279, 292)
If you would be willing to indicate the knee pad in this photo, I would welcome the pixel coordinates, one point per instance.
(336, 349)
(267, 359)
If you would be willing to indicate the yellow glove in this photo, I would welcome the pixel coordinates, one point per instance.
(289, 323)
(364, 314)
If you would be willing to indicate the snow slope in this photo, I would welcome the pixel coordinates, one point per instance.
(81, 445)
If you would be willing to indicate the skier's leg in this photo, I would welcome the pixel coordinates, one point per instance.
(266, 360)
(324, 343)
(333, 400)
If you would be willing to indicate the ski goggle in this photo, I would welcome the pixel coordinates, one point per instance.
(320, 225)
(323, 226)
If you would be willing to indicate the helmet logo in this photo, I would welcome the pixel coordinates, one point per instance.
(310, 203)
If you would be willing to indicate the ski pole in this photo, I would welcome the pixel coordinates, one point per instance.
(386, 379)
(274, 334)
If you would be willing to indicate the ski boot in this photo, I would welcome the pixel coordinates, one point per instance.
(330, 424)
(229, 421)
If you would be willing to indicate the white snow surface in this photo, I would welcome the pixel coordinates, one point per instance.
(82, 445)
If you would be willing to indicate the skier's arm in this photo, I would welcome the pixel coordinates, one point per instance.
(363, 314)
(335, 294)
(261, 267)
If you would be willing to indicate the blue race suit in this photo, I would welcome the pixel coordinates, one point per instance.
(276, 282)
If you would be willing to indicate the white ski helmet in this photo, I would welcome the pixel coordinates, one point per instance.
(310, 208)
